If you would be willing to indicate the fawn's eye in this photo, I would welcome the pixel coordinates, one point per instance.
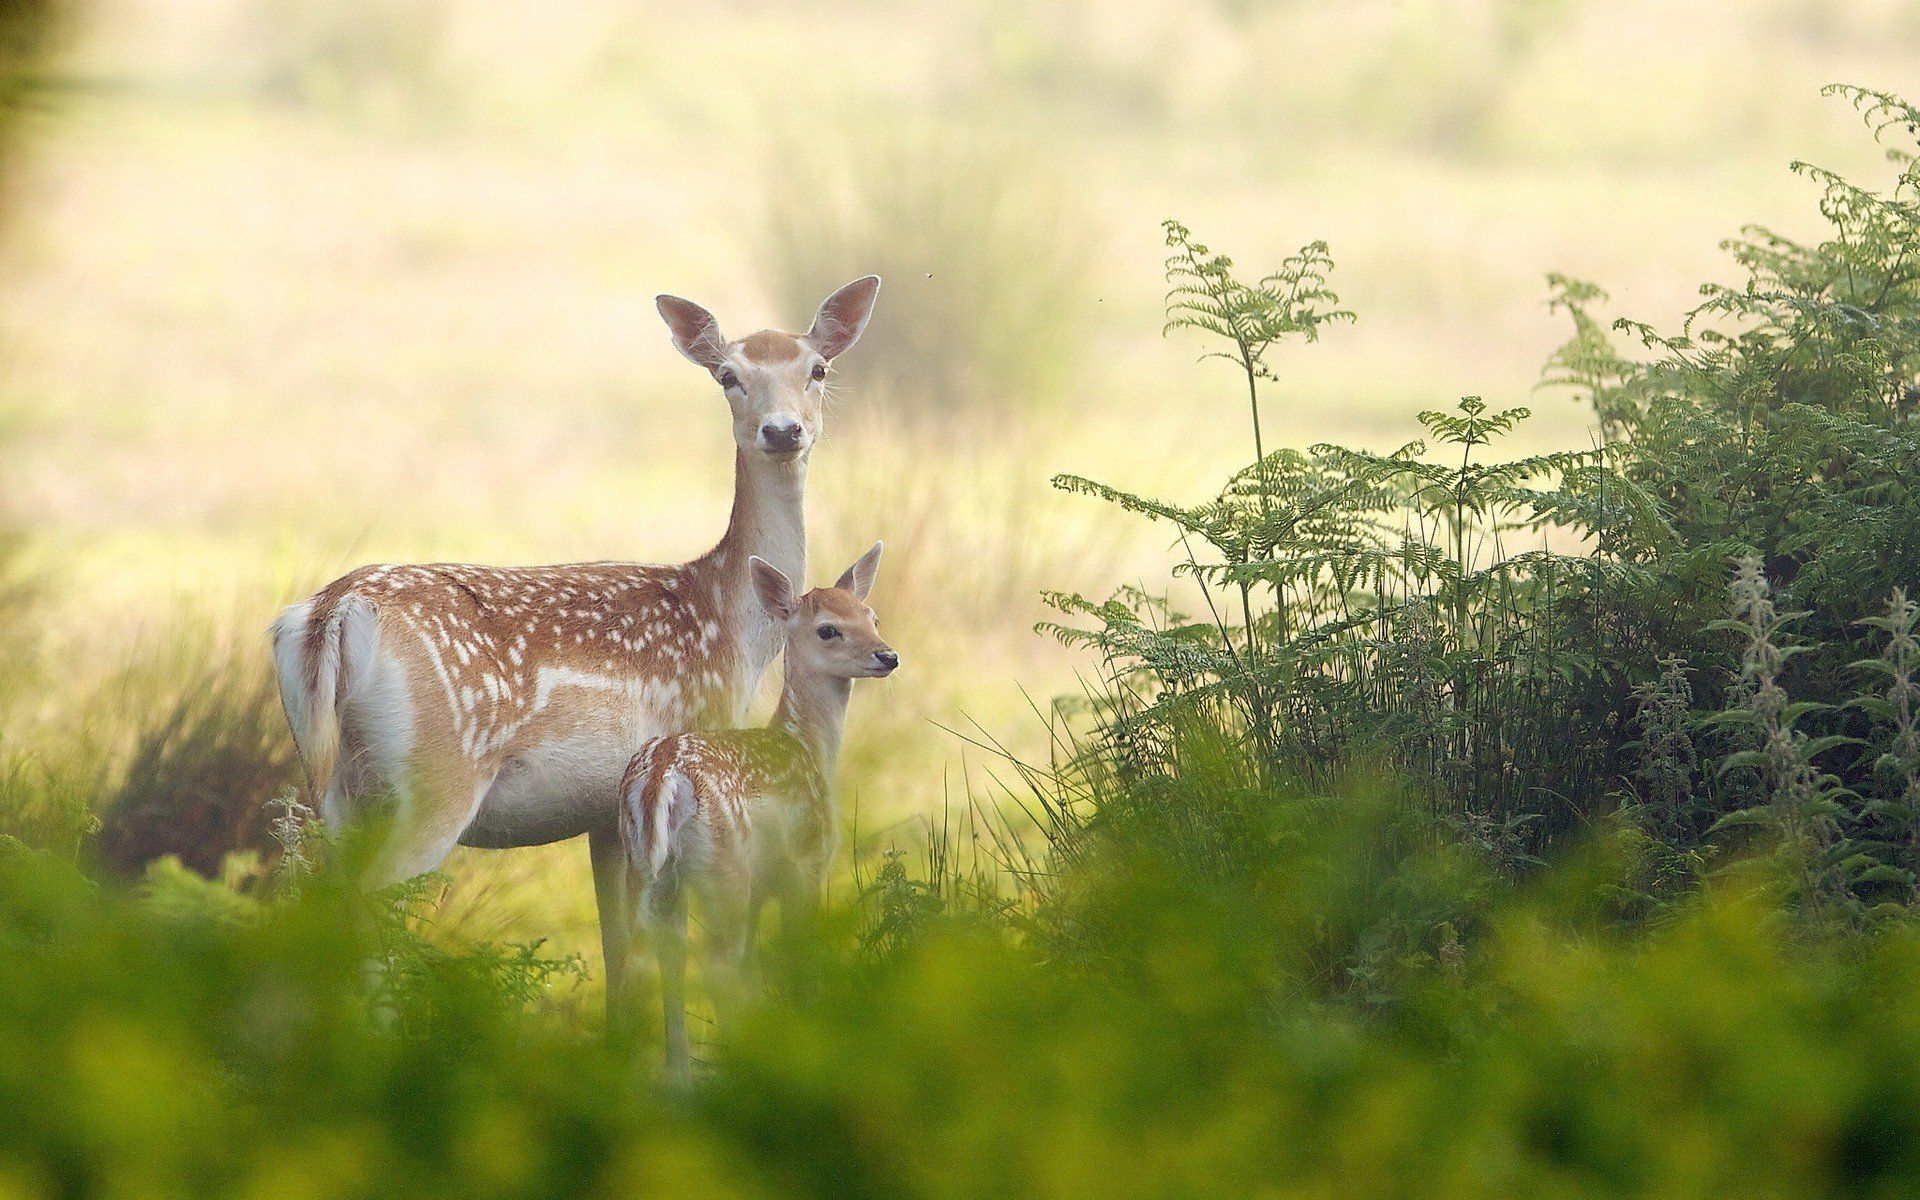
(828, 633)
(819, 371)
(729, 380)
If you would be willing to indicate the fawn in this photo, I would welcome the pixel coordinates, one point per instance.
(495, 707)
(746, 815)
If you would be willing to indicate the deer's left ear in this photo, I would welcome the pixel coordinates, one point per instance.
(843, 318)
(858, 578)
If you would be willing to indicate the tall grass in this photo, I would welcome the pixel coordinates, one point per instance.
(209, 751)
(986, 254)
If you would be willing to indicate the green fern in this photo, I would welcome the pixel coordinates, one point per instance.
(1483, 624)
(1359, 604)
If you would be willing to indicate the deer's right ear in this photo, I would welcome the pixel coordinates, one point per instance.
(773, 587)
(695, 333)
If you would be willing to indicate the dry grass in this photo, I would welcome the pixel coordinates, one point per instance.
(204, 764)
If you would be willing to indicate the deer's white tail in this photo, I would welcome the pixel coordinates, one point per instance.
(656, 803)
(312, 667)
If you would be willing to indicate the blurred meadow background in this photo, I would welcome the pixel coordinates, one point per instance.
(292, 286)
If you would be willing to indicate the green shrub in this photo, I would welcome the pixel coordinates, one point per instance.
(1778, 427)
(182, 1041)
(1489, 628)
(1720, 1056)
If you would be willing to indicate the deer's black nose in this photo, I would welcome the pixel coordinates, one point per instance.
(780, 433)
(886, 658)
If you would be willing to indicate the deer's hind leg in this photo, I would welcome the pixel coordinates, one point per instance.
(727, 912)
(409, 780)
(427, 822)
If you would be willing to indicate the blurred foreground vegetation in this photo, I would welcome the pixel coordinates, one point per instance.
(1166, 1030)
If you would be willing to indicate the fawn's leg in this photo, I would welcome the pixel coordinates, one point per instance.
(802, 888)
(728, 908)
(672, 936)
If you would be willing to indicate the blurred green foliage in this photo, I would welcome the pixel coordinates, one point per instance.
(176, 1040)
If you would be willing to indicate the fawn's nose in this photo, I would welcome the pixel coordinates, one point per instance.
(887, 659)
(778, 434)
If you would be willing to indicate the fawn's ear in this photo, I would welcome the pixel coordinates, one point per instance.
(843, 317)
(695, 333)
(773, 587)
(858, 578)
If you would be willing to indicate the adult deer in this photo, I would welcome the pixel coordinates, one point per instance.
(737, 817)
(498, 706)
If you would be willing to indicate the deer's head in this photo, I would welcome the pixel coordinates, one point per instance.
(830, 631)
(775, 382)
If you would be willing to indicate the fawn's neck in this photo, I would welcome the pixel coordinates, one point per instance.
(768, 521)
(813, 708)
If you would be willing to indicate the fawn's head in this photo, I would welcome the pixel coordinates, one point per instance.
(775, 382)
(830, 631)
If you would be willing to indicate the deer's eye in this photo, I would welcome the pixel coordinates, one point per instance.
(828, 633)
(819, 371)
(729, 380)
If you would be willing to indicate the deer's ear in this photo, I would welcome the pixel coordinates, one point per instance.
(695, 333)
(859, 577)
(841, 320)
(773, 587)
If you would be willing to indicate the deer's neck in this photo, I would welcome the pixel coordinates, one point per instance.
(768, 518)
(769, 522)
(813, 708)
